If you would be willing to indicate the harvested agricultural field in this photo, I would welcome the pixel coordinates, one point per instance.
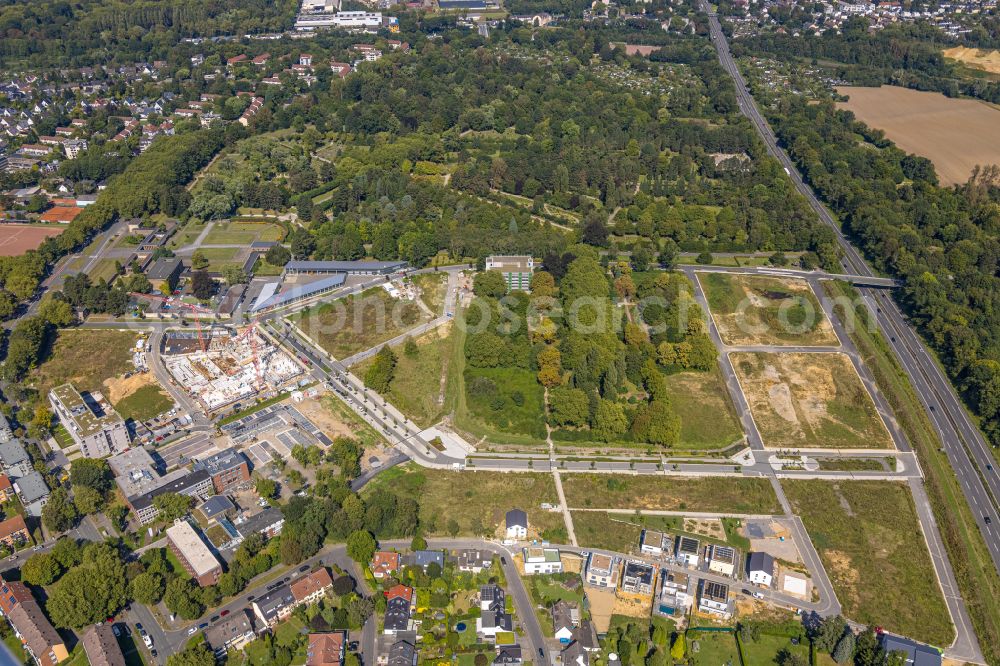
(763, 310)
(869, 539)
(954, 134)
(984, 59)
(16, 239)
(735, 495)
(802, 400)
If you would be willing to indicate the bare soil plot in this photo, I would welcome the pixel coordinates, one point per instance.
(16, 239)
(602, 607)
(138, 397)
(984, 59)
(954, 134)
(801, 400)
(721, 494)
(764, 310)
(869, 539)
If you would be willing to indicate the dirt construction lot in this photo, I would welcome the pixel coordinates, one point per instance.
(17, 239)
(762, 310)
(809, 401)
(955, 134)
(988, 61)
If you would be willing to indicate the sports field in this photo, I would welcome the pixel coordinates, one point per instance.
(17, 239)
(809, 400)
(955, 134)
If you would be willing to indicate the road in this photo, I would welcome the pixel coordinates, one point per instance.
(965, 446)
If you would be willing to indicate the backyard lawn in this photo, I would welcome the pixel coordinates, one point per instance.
(713, 648)
(724, 495)
(870, 541)
(474, 502)
(764, 650)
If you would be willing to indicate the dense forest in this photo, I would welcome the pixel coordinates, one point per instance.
(91, 31)
(901, 54)
(942, 241)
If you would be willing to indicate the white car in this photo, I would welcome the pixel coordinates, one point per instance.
(147, 640)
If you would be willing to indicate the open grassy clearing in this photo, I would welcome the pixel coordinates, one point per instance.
(432, 290)
(971, 561)
(695, 395)
(507, 414)
(596, 529)
(722, 494)
(801, 400)
(219, 257)
(145, 403)
(764, 650)
(416, 387)
(72, 359)
(870, 541)
(757, 309)
(347, 326)
(243, 233)
(475, 501)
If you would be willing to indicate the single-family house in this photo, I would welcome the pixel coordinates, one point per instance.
(474, 560)
(517, 524)
(602, 570)
(652, 543)
(688, 551)
(384, 563)
(714, 599)
(326, 649)
(565, 618)
(637, 577)
(721, 559)
(425, 558)
(760, 569)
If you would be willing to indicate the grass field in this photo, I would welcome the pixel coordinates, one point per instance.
(713, 648)
(432, 290)
(359, 322)
(869, 539)
(73, 359)
(596, 529)
(416, 387)
(526, 418)
(476, 501)
(978, 580)
(219, 257)
(756, 309)
(724, 495)
(764, 650)
(854, 464)
(695, 394)
(145, 403)
(243, 233)
(955, 134)
(809, 401)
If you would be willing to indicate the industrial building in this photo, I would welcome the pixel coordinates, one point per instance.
(93, 424)
(272, 296)
(345, 267)
(196, 557)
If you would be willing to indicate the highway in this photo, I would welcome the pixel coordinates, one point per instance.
(965, 446)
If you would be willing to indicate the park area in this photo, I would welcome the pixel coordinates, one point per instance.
(955, 134)
(16, 239)
(869, 539)
(472, 503)
(803, 400)
(762, 310)
(361, 321)
(731, 495)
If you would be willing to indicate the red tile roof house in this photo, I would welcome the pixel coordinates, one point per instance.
(313, 587)
(399, 591)
(384, 563)
(6, 490)
(14, 532)
(30, 624)
(326, 649)
(237, 59)
(261, 59)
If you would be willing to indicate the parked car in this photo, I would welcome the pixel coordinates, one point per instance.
(215, 618)
(304, 567)
(147, 640)
(224, 613)
(192, 630)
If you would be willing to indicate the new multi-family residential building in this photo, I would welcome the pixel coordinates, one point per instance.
(602, 570)
(542, 561)
(516, 270)
(93, 424)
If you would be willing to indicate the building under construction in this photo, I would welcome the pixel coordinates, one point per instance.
(220, 367)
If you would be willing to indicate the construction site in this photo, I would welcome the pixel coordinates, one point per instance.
(220, 367)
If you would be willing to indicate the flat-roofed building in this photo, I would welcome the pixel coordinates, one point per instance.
(676, 593)
(721, 559)
(232, 633)
(688, 551)
(348, 267)
(602, 570)
(268, 522)
(638, 577)
(102, 647)
(193, 484)
(94, 425)
(652, 542)
(714, 599)
(516, 270)
(194, 555)
(228, 468)
(326, 649)
(542, 561)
